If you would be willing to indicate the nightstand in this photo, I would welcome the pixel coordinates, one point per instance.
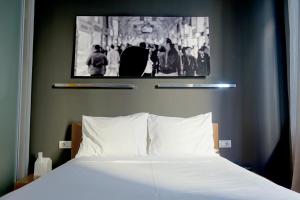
(24, 181)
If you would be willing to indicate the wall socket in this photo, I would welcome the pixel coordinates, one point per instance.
(65, 144)
(225, 144)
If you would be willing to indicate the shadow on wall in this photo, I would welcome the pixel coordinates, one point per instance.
(265, 97)
(63, 157)
(278, 166)
(65, 154)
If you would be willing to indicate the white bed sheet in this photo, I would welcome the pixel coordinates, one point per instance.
(151, 178)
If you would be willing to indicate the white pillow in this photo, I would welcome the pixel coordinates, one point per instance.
(114, 136)
(172, 136)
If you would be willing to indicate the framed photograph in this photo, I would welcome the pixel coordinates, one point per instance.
(141, 47)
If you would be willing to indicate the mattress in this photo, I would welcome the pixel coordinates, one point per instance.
(151, 178)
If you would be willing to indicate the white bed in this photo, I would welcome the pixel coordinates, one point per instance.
(160, 174)
(151, 178)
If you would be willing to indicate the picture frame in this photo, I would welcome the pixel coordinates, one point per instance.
(141, 47)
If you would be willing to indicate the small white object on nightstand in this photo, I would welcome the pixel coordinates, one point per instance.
(42, 165)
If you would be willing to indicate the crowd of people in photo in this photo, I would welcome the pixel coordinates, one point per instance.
(149, 60)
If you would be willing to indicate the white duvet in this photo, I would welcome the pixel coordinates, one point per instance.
(151, 178)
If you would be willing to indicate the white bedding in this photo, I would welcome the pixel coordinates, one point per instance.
(151, 178)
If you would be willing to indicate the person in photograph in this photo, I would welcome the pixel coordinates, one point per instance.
(189, 62)
(133, 61)
(180, 54)
(161, 55)
(172, 66)
(207, 50)
(113, 58)
(102, 51)
(194, 51)
(97, 62)
(202, 39)
(203, 63)
(154, 58)
(149, 67)
(143, 45)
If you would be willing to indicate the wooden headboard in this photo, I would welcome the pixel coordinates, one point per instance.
(77, 137)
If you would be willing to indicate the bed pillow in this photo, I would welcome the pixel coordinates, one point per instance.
(114, 136)
(173, 136)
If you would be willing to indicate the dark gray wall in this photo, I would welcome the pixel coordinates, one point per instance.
(237, 31)
(9, 73)
(265, 98)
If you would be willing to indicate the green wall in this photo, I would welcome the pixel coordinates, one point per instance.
(9, 73)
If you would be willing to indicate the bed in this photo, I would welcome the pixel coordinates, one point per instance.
(150, 178)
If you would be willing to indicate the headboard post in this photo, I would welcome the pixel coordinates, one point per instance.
(216, 136)
(76, 138)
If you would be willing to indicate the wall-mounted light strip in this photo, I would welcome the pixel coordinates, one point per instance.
(193, 86)
(93, 86)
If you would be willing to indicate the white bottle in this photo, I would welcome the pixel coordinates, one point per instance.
(42, 165)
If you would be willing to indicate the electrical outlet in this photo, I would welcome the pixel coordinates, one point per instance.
(225, 143)
(65, 144)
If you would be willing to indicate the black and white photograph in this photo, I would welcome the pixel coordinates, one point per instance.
(141, 46)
